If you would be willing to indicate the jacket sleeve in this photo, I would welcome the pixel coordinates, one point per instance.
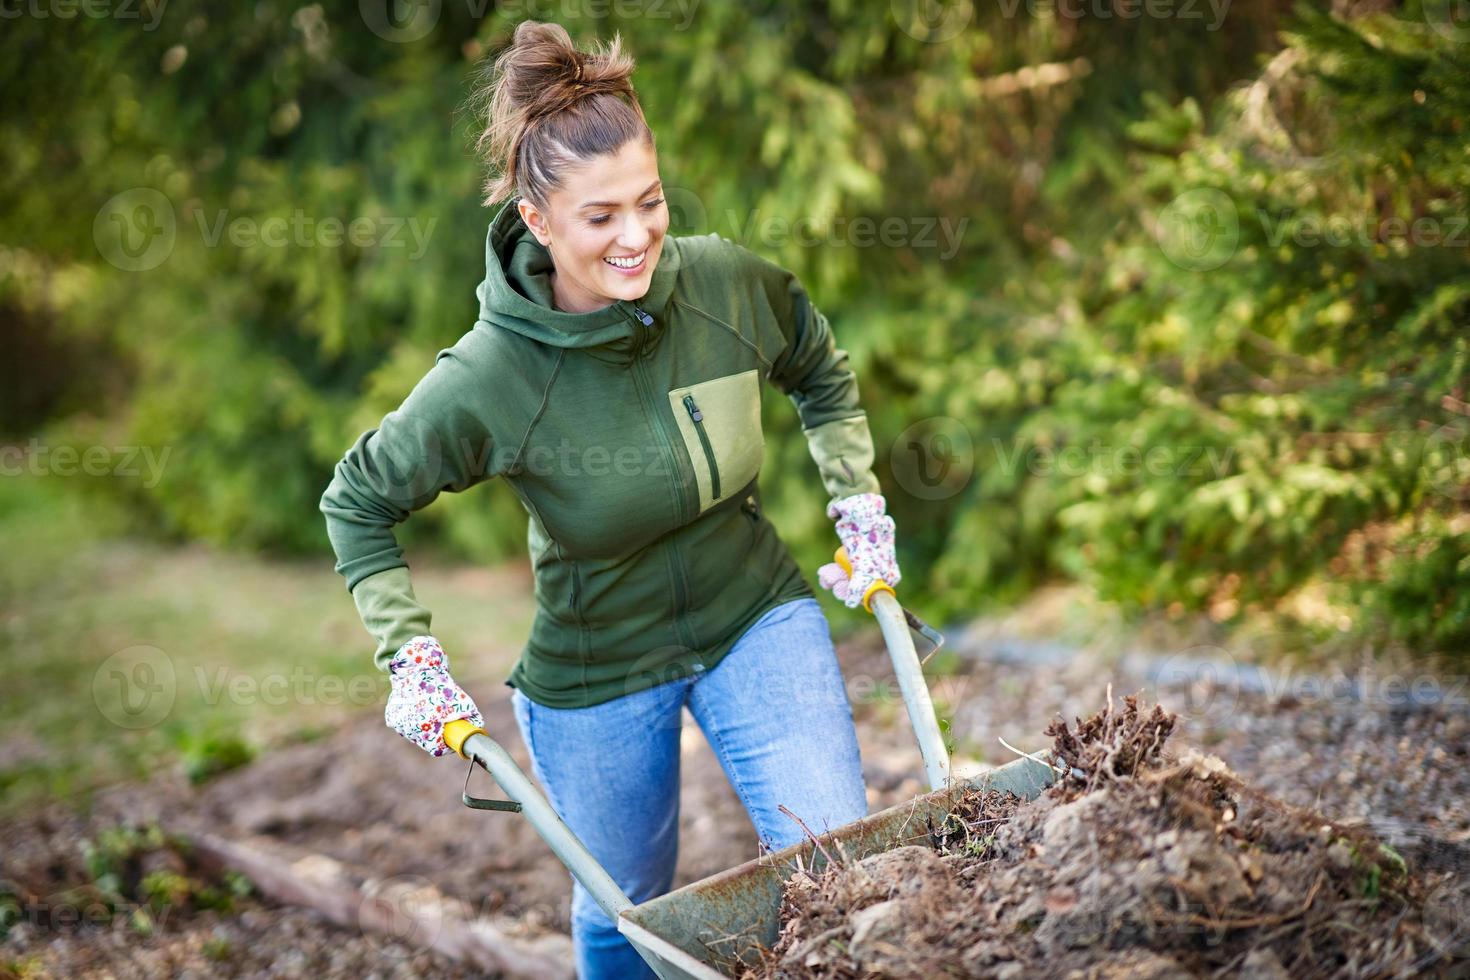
(813, 371)
(433, 442)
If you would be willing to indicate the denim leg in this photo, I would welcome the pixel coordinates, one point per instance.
(611, 771)
(776, 712)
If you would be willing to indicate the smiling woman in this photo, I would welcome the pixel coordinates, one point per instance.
(659, 581)
(570, 133)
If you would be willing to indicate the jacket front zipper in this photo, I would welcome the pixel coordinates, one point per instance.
(709, 453)
(677, 574)
(640, 336)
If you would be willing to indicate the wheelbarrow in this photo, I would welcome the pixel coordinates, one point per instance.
(703, 929)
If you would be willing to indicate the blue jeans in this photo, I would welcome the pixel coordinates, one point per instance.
(776, 713)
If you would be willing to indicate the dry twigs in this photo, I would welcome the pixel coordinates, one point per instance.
(1135, 860)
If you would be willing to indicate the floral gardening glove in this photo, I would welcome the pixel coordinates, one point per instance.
(424, 697)
(867, 534)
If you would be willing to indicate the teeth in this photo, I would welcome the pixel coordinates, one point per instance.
(624, 263)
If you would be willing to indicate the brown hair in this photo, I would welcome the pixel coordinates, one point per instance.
(549, 106)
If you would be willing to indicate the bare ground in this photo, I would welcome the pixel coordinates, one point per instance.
(380, 813)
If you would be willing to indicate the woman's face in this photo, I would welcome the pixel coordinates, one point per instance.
(609, 208)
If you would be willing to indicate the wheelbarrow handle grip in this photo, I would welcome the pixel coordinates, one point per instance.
(877, 586)
(457, 732)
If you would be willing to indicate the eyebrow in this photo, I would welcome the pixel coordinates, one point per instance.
(613, 204)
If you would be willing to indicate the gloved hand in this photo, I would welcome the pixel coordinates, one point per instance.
(424, 697)
(867, 534)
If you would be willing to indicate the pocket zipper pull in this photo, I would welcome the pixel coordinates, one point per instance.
(694, 412)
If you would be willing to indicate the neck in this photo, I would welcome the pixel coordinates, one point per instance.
(568, 304)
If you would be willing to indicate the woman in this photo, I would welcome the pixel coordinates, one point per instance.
(614, 379)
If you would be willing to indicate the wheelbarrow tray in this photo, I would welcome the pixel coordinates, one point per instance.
(724, 917)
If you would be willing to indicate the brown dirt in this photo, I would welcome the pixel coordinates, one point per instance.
(165, 913)
(1136, 862)
(367, 799)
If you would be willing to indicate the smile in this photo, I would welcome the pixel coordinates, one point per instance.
(629, 263)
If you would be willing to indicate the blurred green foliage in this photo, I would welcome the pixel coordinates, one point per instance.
(213, 751)
(1148, 323)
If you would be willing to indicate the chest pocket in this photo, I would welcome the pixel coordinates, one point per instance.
(720, 421)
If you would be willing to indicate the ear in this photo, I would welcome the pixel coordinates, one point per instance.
(534, 220)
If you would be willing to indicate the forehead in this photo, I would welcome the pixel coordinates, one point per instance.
(610, 179)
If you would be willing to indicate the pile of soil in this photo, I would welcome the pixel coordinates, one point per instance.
(1136, 862)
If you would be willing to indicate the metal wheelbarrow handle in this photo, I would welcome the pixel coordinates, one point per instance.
(472, 743)
(881, 600)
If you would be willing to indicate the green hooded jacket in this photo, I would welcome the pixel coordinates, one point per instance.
(632, 435)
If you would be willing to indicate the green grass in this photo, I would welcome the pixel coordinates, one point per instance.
(259, 652)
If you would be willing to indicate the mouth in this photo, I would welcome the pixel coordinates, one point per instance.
(628, 265)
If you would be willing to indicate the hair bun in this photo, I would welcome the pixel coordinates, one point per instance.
(541, 92)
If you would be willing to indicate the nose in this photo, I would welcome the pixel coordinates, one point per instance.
(635, 235)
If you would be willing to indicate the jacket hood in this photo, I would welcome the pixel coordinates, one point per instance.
(516, 292)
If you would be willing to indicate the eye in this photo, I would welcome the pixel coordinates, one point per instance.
(602, 219)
